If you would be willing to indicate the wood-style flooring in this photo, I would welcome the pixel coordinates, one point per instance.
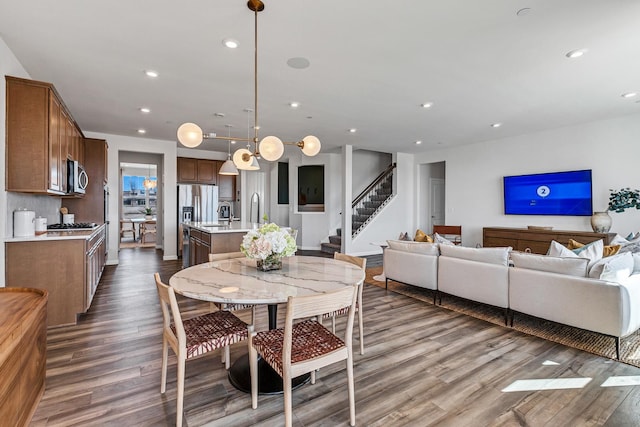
(423, 365)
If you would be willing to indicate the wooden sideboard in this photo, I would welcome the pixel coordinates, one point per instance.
(537, 240)
(23, 351)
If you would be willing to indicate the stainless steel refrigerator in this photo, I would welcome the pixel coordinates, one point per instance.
(196, 203)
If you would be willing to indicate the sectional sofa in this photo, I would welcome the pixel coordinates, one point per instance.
(554, 288)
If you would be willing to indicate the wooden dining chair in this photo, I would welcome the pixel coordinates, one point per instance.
(147, 228)
(127, 226)
(194, 337)
(362, 263)
(304, 346)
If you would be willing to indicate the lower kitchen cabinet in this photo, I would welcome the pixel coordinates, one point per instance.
(68, 268)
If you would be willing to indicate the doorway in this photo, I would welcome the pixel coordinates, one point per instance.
(432, 185)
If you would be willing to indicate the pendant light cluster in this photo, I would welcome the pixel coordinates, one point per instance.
(270, 148)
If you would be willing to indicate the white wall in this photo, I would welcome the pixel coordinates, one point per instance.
(167, 180)
(474, 173)
(368, 165)
(9, 65)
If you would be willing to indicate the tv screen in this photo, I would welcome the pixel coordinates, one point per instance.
(557, 193)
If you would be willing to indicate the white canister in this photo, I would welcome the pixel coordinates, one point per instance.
(68, 218)
(41, 225)
(24, 223)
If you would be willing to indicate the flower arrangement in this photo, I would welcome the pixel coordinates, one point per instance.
(268, 244)
(619, 200)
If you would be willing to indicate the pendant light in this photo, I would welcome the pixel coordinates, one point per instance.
(148, 183)
(271, 148)
(228, 168)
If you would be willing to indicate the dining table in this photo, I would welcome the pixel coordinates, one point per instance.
(238, 281)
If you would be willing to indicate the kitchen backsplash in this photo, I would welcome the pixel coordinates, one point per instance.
(44, 206)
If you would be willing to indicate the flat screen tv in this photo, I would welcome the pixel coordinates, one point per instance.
(556, 193)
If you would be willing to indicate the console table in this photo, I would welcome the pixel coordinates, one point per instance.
(537, 240)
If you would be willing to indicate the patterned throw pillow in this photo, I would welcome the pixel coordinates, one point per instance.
(421, 236)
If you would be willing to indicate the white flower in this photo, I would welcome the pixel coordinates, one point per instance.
(266, 241)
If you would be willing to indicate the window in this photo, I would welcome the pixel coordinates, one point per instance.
(283, 183)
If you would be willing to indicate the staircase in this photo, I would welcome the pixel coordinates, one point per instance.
(335, 243)
(368, 203)
(365, 207)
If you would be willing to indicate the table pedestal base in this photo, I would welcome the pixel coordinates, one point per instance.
(269, 382)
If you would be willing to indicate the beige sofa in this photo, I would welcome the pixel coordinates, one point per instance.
(412, 263)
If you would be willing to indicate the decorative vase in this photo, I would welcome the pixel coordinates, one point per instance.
(148, 217)
(270, 263)
(601, 222)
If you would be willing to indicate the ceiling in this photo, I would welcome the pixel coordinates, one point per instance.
(372, 65)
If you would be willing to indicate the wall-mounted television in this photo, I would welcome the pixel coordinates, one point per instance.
(556, 193)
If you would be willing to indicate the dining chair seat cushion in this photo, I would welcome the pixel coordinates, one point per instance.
(212, 331)
(310, 340)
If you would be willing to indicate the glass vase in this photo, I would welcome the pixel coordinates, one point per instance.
(269, 263)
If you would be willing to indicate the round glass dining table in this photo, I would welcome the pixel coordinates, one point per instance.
(237, 281)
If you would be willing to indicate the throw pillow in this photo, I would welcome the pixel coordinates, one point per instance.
(443, 241)
(573, 266)
(608, 250)
(421, 236)
(614, 268)
(592, 251)
(556, 249)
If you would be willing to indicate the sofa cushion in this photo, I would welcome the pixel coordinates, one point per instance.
(421, 236)
(415, 247)
(592, 251)
(559, 250)
(614, 268)
(442, 240)
(499, 256)
(573, 266)
(636, 263)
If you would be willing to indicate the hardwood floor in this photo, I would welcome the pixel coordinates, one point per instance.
(423, 365)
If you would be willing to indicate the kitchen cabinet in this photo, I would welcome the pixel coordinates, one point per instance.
(23, 350)
(68, 265)
(41, 135)
(199, 247)
(226, 186)
(91, 207)
(197, 171)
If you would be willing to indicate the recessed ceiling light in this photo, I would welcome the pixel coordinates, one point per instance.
(151, 73)
(496, 125)
(629, 94)
(142, 131)
(298, 63)
(353, 130)
(294, 104)
(576, 53)
(145, 110)
(230, 43)
(427, 105)
(418, 142)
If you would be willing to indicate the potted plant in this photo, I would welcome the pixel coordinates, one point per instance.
(619, 201)
(148, 213)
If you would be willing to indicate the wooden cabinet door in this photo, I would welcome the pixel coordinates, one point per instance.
(226, 186)
(187, 170)
(207, 171)
(55, 173)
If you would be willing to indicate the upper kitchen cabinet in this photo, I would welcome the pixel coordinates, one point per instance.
(197, 171)
(226, 186)
(41, 136)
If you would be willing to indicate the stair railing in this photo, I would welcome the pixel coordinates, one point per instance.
(369, 202)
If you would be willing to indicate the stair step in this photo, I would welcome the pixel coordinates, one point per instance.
(329, 248)
(336, 240)
(378, 197)
(372, 204)
(360, 218)
(365, 211)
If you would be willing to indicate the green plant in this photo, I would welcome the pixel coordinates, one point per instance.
(147, 211)
(622, 199)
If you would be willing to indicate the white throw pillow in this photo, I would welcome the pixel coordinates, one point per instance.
(559, 250)
(443, 241)
(613, 268)
(499, 256)
(592, 251)
(572, 266)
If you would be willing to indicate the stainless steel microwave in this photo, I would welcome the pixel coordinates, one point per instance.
(77, 178)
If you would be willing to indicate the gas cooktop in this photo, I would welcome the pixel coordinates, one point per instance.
(73, 226)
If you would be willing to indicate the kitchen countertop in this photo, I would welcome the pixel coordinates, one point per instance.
(222, 227)
(57, 235)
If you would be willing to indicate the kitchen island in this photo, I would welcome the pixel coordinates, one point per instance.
(67, 264)
(215, 238)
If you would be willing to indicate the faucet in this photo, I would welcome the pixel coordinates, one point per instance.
(229, 209)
